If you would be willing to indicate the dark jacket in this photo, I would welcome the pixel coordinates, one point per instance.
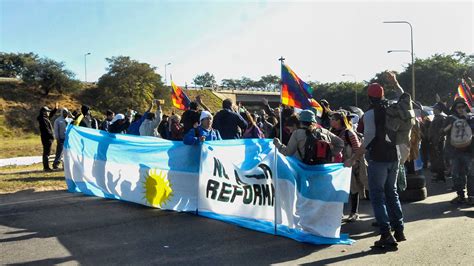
(119, 128)
(189, 118)
(380, 150)
(228, 124)
(46, 129)
(134, 128)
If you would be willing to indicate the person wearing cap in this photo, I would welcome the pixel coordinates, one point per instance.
(46, 133)
(120, 123)
(203, 131)
(229, 123)
(296, 144)
(437, 141)
(383, 164)
(461, 157)
(60, 125)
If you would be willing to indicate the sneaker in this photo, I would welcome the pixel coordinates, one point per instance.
(399, 235)
(458, 200)
(48, 170)
(386, 241)
(353, 217)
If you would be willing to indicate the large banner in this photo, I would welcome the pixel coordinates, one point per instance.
(145, 170)
(243, 182)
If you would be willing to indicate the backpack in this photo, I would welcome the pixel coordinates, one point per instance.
(461, 134)
(317, 149)
(400, 119)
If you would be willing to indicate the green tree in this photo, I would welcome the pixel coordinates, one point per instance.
(129, 84)
(13, 65)
(437, 74)
(41, 73)
(230, 83)
(48, 75)
(271, 82)
(205, 80)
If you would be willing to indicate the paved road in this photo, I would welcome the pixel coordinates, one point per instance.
(60, 227)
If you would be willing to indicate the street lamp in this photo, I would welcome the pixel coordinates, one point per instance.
(412, 55)
(85, 66)
(398, 51)
(355, 89)
(166, 80)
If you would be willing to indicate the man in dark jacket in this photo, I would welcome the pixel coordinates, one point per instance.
(383, 163)
(46, 131)
(120, 123)
(228, 122)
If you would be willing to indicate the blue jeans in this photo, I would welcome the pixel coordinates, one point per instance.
(384, 196)
(461, 163)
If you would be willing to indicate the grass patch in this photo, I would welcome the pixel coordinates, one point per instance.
(26, 145)
(17, 178)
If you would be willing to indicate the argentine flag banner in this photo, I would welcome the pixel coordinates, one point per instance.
(241, 183)
(244, 182)
(144, 170)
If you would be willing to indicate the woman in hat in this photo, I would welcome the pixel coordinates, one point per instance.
(202, 132)
(296, 144)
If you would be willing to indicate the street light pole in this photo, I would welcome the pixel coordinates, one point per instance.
(355, 89)
(166, 80)
(85, 66)
(412, 55)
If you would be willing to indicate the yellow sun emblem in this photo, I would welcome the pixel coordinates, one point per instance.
(157, 188)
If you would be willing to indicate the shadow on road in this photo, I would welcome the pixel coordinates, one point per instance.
(99, 231)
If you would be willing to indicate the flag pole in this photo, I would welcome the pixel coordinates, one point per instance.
(275, 165)
(282, 61)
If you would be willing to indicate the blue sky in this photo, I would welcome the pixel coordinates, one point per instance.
(231, 39)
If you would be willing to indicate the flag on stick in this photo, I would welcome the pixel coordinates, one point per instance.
(465, 92)
(295, 92)
(179, 98)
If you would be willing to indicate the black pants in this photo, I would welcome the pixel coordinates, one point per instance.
(47, 143)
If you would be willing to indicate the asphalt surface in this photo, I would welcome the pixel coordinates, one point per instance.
(63, 228)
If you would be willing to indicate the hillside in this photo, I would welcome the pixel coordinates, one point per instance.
(19, 106)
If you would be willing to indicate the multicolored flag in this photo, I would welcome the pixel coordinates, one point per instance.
(179, 98)
(465, 92)
(295, 92)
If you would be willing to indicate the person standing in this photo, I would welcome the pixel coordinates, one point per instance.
(203, 132)
(460, 122)
(149, 127)
(229, 122)
(106, 123)
(383, 164)
(60, 125)
(437, 140)
(47, 133)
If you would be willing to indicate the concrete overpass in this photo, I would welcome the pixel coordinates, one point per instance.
(252, 100)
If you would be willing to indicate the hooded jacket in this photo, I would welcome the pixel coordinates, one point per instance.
(46, 129)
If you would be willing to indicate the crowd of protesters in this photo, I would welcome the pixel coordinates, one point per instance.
(357, 139)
